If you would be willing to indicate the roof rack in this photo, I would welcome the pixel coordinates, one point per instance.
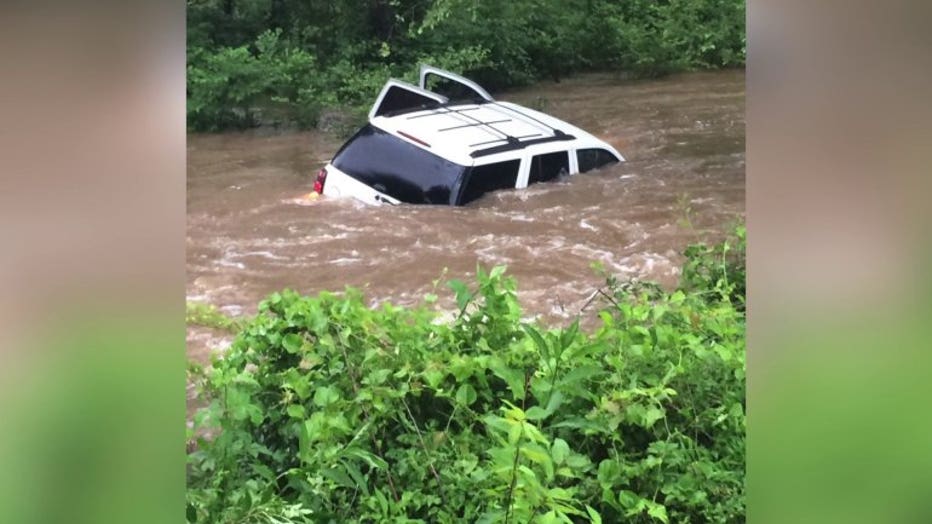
(525, 115)
(510, 143)
(446, 109)
(514, 144)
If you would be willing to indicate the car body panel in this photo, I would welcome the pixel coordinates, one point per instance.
(457, 135)
(341, 185)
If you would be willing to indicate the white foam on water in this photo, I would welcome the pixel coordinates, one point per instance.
(233, 310)
(262, 254)
(229, 263)
(345, 261)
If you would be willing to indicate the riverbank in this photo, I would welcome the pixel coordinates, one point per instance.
(327, 408)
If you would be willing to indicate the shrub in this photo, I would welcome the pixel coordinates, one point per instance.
(330, 411)
(319, 54)
(223, 87)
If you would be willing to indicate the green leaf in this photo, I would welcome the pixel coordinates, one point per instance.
(357, 476)
(326, 395)
(536, 413)
(295, 411)
(580, 375)
(514, 432)
(466, 395)
(657, 511)
(652, 415)
(539, 341)
(594, 516)
(628, 499)
(513, 377)
(577, 461)
(462, 292)
(371, 459)
(609, 473)
(556, 400)
(434, 377)
(339, 477)
(292, 342)
(536, 454)
(581, 423)
(560, 450)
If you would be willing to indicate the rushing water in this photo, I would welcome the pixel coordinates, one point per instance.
(251, 231)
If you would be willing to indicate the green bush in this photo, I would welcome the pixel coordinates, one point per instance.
(223, 87)
(229, 87)
(301, 57)
(718, 272)
(329, 411)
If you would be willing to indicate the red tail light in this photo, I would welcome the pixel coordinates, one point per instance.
(321, 180)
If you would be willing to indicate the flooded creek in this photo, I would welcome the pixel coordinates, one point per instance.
(250, 231)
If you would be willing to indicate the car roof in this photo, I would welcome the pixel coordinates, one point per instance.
(478, 133)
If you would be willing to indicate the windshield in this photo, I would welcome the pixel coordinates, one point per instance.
(398, 169)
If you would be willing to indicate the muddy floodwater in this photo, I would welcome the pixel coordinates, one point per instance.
(251, 231)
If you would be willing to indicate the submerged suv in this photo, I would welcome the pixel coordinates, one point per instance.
(453, 143)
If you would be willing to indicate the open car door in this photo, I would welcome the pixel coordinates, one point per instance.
(399, 96)
(452, 85)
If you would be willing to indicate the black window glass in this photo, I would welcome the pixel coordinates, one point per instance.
(590, 159)
(482, 179)
(451, 89)
(548, 167)
(400, 99)
(398, 168)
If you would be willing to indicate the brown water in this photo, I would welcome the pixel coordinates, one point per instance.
(250, 232)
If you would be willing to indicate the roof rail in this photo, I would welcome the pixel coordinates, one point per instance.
(513, 144)
(525, 115)
(477, 122)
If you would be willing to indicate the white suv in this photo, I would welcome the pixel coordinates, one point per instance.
(453, 143)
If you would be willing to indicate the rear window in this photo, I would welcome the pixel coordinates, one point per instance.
(590, 159)
(490, 177)
(398, 168)
(548, 167)
(453, 90)
(399, 99)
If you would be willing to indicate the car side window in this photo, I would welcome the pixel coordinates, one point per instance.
(594, 158)
(549, 166)
(490, 177)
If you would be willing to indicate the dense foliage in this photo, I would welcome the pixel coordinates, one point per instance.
(328, 411)
(249, 58)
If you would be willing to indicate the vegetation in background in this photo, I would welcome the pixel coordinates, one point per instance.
(329, 411)
(207, 315)
(252, 60)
